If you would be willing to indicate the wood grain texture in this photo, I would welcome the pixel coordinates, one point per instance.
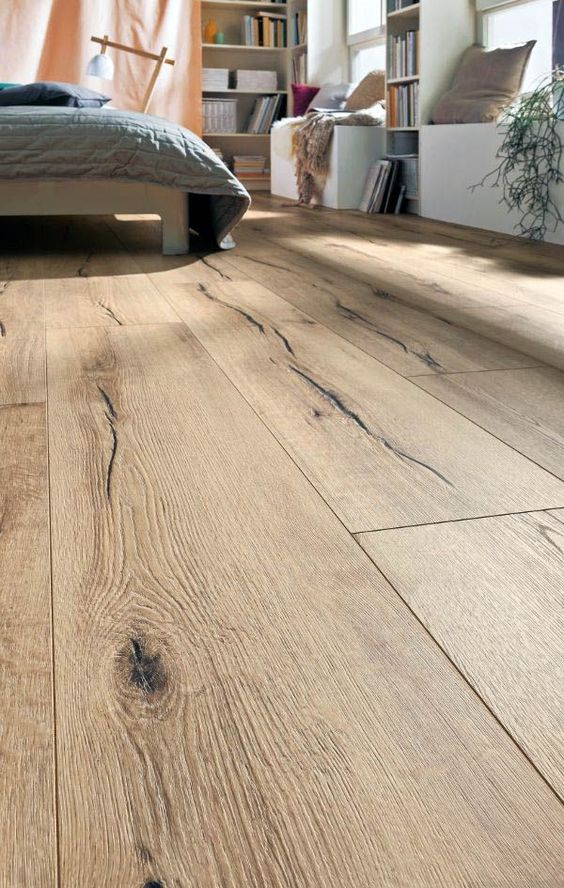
(491, 593)
(522, 407)
(379, 453)
(22, 369)
(22, 308)
(409, 341)
(536, 331)
(27, 813)
(243, 700)
(511, 272)
(101, 285)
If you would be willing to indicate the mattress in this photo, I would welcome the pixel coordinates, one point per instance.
(106, 143)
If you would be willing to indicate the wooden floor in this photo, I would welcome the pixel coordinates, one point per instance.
(281, 557)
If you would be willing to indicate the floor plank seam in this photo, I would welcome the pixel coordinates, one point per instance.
(472, 687)
(482, 370)
(52, 602)
(493, 435)
(456, 520)
(425, 376)
(400, 597)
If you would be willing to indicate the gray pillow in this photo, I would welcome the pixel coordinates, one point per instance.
(485, 83)
(331, 98)
(46, 92)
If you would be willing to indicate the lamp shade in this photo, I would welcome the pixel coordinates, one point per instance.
(102, 66)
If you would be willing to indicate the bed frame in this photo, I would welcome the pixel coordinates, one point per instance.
(74, 197)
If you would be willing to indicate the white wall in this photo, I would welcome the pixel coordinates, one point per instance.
(327, 42)
(457, 156)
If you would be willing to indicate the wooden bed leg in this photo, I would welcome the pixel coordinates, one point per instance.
(175, 231)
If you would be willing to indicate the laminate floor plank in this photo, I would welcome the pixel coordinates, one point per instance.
(522, 407)
(469, 249)
(537, 331)
(22, 308)
(22, 369)
(491, 593)
(379, 453)
(27, 811)
(409, 341)
(98, 283)
(242, 699)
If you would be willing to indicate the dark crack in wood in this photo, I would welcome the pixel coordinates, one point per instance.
(430, 361)
(333, 399)
(545, 533)
(154, 883)
(111, 416)
(147, 673)
(353, 315)
(218, 271)
(2, 330)
(109, 406)
(110, 313)
(264, 262)
(339, 405)
(248, 317)
(285, 341)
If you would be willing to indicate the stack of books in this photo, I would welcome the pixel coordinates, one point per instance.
(403, 53)
(409, 172)
(299, 28)
(299, 67)
(383, 192)
(403, 105)
(214, 79)
(253, 167)
(263, 81)
(264, 113)
(264, 29)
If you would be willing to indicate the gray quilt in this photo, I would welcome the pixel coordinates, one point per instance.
(105, 143)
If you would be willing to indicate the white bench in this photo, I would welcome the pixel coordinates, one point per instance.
(353, 149)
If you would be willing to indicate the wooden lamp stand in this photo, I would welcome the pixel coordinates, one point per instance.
(159, 60)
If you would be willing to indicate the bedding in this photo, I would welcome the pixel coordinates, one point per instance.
(58, 143)
(48, 92)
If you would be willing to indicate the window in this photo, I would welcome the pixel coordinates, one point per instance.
(366, 37)
(517, 22)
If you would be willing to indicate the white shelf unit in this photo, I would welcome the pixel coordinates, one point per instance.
(233, 54)
(444, 34)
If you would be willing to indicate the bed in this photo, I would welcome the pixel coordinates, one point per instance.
(97, 161)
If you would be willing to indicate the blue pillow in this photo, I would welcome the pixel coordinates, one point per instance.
(46, 92)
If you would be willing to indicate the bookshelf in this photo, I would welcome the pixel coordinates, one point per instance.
(233, 54)
(442, 36)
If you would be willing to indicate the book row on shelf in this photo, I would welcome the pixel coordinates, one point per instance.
(253, 167)
(250, 167)
(403, 105)
(403, 54)
(389, 183)
(264, 29)
(299, 67)
(265, 111)
(299, 27)
(220, 115)
(221, 79)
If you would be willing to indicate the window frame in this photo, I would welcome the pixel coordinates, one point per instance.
(367, 39)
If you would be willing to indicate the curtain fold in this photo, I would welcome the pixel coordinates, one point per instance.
(50, 40)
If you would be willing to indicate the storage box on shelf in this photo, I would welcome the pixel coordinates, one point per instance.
(256, 51)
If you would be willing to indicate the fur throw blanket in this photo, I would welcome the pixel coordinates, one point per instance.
(311, 140)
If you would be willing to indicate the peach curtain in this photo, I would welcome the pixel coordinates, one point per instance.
(50, 40)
